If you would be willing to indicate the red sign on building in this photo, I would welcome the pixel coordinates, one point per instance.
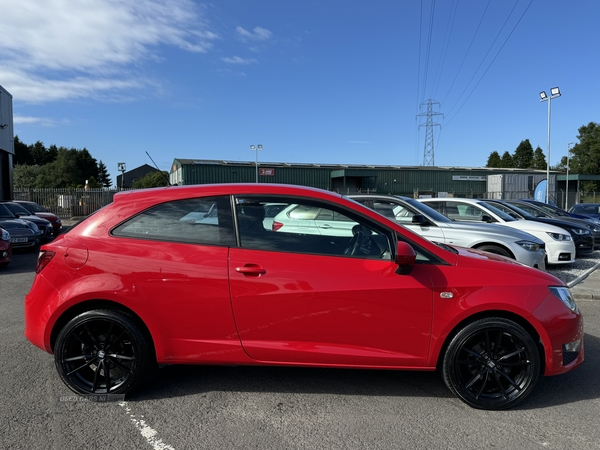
(266, 172)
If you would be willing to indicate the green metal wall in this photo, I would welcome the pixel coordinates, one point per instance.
(404, 180)
(205, 174)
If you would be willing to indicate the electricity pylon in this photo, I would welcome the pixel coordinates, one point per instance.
(429, 155)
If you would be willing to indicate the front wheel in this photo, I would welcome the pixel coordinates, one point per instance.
(496, 250)
(101, 352)
(491, 363)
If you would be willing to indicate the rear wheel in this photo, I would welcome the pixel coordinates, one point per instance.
(101, 352)
(492, 363)
(496, 249)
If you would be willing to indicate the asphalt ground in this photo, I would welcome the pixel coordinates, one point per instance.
(587, 286)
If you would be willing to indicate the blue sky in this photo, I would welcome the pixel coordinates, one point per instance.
(326, 81)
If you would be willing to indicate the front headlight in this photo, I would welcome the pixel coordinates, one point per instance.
(559, 236)
(530, 246)
(33, 226)
(5, 235)
(580, 231)
(564, 295)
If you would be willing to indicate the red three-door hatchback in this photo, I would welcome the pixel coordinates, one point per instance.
(200, 275)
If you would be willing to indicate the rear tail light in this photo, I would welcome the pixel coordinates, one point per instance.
(276, 226)
(44, 258)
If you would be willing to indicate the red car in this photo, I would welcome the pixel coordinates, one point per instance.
(42, 212)
(5, 248)
(134, 285)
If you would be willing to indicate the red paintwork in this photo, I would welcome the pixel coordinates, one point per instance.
(219, 305)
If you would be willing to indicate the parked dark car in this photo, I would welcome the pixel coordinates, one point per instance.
(558, 211)
(539, 211)
(133, 286)
(42, 212)
(5, 248)
(20, 212)
(581, 235)
(586, 209)
(23, 234)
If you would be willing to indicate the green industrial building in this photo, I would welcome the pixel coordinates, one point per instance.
(410, 181)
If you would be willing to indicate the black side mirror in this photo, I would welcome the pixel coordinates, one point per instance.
(487, 219)
(420, 219)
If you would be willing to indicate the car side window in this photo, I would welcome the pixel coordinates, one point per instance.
(205, 220)
(307, 226)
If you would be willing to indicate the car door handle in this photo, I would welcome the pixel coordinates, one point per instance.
(251, 270)
(326, 225)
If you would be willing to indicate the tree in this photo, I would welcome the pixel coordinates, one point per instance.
(22, 153)
(40, 154)
(507, 160)
(523, 155)
(62, 173)
(586, 154)
(539, 159)
(494, 160)
(103, 175)
(152, 179)
(25, 176)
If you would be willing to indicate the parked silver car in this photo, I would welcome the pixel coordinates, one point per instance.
(436, 227)
(560, 248)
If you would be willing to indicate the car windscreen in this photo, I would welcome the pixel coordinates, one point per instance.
(5, 213)
(498, 212)
(511, 207)
(426, 210)
(18, 209)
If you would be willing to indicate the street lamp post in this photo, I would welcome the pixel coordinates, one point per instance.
(122, 169)
(568, 155)
(554, 93)
(256, 149)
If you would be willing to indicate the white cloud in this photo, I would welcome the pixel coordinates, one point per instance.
(28, 120)
(239, 60)
(258, 34)
(53, 49)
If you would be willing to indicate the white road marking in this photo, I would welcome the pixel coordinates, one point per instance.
(149, 433)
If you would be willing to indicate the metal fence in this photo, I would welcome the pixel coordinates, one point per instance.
(68, 203)
(72, 203)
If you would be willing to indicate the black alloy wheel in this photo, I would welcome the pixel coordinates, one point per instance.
(492, 363)
(101, 352)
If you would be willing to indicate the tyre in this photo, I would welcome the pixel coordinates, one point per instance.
(491, 363)
(101, 352)
(496, 249)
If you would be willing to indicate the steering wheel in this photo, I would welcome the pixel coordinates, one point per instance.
(355, 243)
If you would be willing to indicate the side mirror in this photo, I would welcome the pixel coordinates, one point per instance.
(420, 219)
(486, 219)
(405, 258)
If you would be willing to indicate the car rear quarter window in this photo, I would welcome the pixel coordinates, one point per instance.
(205, 220)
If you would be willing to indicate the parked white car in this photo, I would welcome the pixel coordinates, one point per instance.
(560, 248)
(430, 224)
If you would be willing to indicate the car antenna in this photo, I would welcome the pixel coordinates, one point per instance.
(166, 179)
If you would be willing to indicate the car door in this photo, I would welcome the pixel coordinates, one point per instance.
(300, 299)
